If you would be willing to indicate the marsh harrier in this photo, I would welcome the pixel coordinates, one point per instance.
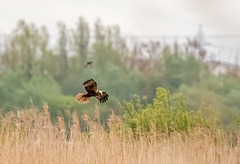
(91, 88)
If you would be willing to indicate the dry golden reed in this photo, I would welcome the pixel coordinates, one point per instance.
(29, 136)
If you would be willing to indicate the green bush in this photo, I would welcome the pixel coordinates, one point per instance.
(167, 113)
(237, 120)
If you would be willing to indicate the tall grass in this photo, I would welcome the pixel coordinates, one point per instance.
(29, 136)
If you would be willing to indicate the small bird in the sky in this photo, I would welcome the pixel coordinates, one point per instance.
(90, 63)
(91, 88)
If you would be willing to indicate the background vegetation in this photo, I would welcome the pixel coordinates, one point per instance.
(35, 71)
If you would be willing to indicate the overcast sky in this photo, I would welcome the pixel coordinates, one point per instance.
(142, 17)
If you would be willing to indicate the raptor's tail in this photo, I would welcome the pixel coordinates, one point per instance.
(82, 98)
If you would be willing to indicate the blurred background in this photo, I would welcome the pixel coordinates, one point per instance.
(49, 48)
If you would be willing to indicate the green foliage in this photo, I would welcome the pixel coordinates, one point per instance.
(221, 92)
(181, 68)
(167, 112)
(18, 91)
(237, 120)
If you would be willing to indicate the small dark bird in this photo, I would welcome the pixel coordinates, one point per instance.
(90, 63)
(91, 88)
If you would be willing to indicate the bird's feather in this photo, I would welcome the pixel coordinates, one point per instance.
(82, 98)
(90, 86)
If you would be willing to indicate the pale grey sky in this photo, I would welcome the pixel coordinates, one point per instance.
(135, 17)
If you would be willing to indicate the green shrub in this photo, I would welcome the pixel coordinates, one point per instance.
(237, 120)
(167, 113)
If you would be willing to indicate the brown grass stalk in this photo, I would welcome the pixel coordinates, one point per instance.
(29, 136)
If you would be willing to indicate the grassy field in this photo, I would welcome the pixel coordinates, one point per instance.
(29, 136)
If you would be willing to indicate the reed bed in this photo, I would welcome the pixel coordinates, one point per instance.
(29, 136)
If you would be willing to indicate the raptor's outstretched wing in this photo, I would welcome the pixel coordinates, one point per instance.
(90, 86)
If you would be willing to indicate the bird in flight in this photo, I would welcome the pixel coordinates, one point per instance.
(91, 88)
(90, 63)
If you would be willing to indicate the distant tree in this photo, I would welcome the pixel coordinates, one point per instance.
(62, 44)
(179, 68)
(26, 45)
(108, 45)
(80, 43)
(99, 32)
(21, 48)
